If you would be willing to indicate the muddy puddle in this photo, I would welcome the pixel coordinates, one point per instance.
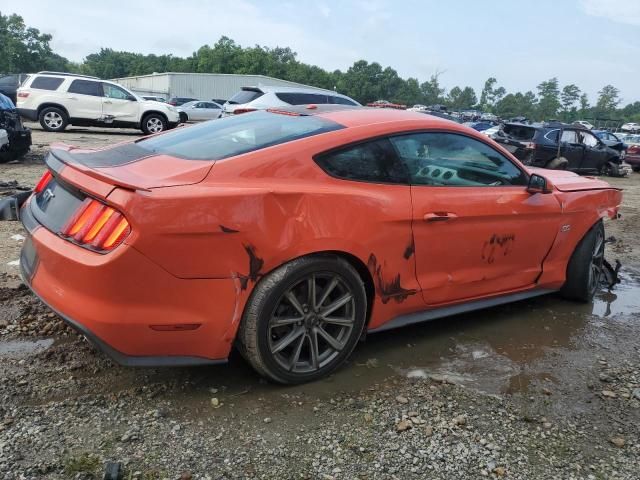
(511, 349)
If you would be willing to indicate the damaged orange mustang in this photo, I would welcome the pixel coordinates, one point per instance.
(291, 233)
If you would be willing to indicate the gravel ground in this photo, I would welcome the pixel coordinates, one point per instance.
(536, 390)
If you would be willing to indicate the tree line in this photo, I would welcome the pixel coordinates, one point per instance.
(24, 49)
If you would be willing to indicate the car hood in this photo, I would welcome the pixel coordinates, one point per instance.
(566, 181)
(131, 166)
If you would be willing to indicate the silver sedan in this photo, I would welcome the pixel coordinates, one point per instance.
(197, 111)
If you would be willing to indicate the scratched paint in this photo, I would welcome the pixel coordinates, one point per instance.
(497, 245)
(388, 289)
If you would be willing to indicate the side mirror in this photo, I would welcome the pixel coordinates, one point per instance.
(131, 98)
(538, 184)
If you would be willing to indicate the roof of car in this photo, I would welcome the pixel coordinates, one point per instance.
(276, 89)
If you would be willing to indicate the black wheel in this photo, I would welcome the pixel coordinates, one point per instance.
(303, 319)
(585, 266)
(184, 118)
(607, 169)
(559, 163)
(154, 123)
(53, 119)
(635, 169)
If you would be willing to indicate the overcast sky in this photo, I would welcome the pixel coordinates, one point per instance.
(587, 42)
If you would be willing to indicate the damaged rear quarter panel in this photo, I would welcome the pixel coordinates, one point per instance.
(247, 219)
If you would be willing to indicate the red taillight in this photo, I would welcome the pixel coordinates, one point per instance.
(633, 149)
(44, 180)
(97, 226)
(238, 111)
(23, 94)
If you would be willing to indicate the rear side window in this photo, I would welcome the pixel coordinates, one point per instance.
(244, 96)
(231, 136)
(293, 98)
(374, 161)
(46, 83)
(85, 87)
(553, 135)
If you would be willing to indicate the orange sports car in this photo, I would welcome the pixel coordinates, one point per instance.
(292, 233)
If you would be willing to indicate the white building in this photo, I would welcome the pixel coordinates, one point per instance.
(203, 86)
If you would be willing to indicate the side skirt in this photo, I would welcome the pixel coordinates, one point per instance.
(435, 313)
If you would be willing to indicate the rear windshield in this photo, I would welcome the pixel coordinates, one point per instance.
(244, 96)
(519, 132)
(236, 135)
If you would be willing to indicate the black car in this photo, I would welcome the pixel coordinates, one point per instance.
(177, 101)
(9, 84)
(15, 137)
(612, 141)
(560, 146)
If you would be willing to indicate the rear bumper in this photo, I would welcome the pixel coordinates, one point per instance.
(28, 113)
(128, 306)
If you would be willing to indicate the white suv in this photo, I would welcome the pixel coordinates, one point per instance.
(60, 99)
(260, 98)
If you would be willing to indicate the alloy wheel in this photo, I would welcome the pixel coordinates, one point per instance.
(312, 322)
(154, 125)
(53, 120)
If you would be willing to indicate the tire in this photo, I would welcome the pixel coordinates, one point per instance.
(285, 353)
(53, 119)
(585, 266)
(558, 163)
(184, 118)
(635, 169)
(607, 169)
(154, 123)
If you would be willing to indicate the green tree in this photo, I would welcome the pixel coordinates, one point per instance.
(518, 104)
(608, 99)
(461, 99)
(433, 93)
(549, 99)
(25, 49)
(569, 96)
(584, 104)
(491, 94)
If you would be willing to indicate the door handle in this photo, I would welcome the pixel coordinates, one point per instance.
(107, 101)
(439, 216)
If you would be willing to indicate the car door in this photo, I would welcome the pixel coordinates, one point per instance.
(204, 111)
(118, 105)
(571, 148)
(84, 100)
(477, 230)
(595, 152)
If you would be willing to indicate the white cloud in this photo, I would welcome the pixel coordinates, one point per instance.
(621, 11)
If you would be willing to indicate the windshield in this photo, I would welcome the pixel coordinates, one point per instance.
(236, 135)
(244, 96)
